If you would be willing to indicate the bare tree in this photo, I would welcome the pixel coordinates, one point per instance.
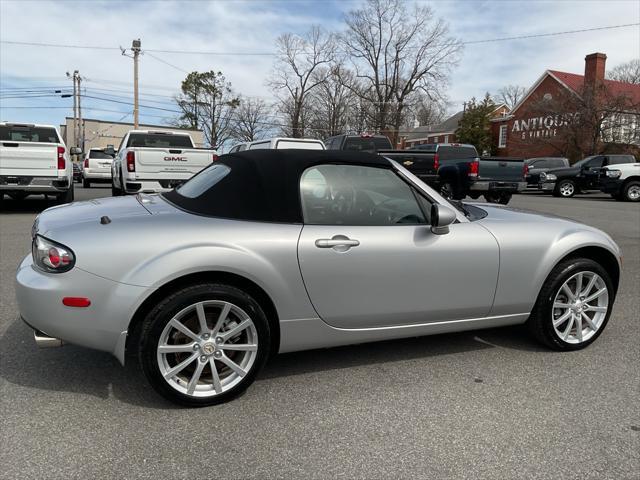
(296, 73)
(510, 95)
(253, 120)
(395, 51)
(628, 72)
(332, 105)
(425, 110)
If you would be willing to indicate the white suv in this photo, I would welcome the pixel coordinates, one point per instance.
(97, 167)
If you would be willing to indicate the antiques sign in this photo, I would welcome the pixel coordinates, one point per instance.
(541, 127)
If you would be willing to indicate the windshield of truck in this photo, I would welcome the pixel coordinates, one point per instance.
(159, 140)
(26, 133)
(448, 153)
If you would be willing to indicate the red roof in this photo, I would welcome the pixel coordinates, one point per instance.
(575, 83)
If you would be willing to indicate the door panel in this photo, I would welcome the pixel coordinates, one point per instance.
(400, 274)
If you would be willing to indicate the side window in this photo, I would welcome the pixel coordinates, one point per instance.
(357, 195)
(596, 162)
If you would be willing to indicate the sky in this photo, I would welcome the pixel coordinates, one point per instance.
(251, 26)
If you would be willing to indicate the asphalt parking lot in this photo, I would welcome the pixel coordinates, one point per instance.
(485, 404)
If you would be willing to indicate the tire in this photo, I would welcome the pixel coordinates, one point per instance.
(631, 191)
(158, 326)
(449, 191)
(492, 197)
(115, 192)
(66, 197)
(505, 198)
(86, 183)
(18, 196)
(565, 189)
(547, 309)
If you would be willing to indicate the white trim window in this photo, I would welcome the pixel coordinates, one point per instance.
(502, 138)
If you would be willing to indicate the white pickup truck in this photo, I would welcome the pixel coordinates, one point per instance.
(621, 181)
(156, 161)
(34, 160)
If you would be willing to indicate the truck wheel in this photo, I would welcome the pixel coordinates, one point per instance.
(631, 191)
(86, 183)
(66, 197)
(18, 196)
(115, 191)
(493, 197)
(449, 191)
(505, 197)
(565, 189)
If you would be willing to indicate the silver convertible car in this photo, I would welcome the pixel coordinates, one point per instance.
(280, 250)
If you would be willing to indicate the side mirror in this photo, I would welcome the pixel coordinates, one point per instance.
(441, 217)
(75, 151)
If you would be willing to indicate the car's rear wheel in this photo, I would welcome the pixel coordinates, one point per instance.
(631, 191)
(115, 191)
(565, 188)
(574, 305)
(204, 344)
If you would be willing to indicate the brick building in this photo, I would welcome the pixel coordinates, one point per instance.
(530, 131)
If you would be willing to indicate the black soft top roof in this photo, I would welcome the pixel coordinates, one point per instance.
(264, 185)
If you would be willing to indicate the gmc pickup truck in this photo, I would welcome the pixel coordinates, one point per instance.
(34, 160)
(456, 171)
(156, 161)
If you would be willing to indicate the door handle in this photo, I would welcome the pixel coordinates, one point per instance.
(337, 241)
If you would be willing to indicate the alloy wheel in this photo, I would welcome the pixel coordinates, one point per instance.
(633, 192)
(207, 348)
(567, 189)
(580, 307)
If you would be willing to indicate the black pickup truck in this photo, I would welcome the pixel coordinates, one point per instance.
(581, 176)
(456, 171)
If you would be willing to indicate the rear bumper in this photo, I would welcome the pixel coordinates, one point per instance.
(155, 185)
(492, 186)
(88, 174)
(34, 184)
(99, 326)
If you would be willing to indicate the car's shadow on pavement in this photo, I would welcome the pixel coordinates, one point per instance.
(89, 372)
(32, 204)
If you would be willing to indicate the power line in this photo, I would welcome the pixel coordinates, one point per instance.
(205, 52)
(165, 62)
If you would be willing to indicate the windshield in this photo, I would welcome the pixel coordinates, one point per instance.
(367, 144)
(159, 140)
(26, 133)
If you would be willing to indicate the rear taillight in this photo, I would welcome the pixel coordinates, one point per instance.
(525, 170)
(214, 157)
(50, 256)
(86, 163)
(436, 162)
(474, 168)
(61, 163)
(131, 161)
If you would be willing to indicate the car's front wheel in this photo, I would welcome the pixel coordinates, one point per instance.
(574, 305)
(204, 344)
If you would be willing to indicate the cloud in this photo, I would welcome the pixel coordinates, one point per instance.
(252, 26)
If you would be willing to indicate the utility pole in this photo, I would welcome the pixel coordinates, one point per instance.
(80, 122)
(135, 48)
(75, 106)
